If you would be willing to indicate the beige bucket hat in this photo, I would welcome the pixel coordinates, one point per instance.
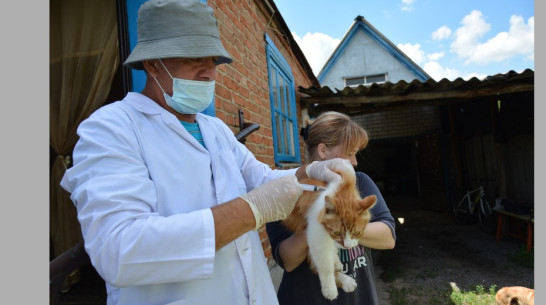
(176, 29)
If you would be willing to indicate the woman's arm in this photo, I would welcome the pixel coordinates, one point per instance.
(377, 235)
(293, 251)
(380, 232)
(288, 249)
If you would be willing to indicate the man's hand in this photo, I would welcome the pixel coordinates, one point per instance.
(323, 170)
(273, 200)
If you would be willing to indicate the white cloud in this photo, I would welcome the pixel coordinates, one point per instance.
(413, 51)
(466, 37)
(407, 5)
(317, 47)
(429, 62)
(441, 33)
(519, 40)
(480, 76)
(437, 72)
(436, 56)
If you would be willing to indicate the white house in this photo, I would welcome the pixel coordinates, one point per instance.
(364, 56)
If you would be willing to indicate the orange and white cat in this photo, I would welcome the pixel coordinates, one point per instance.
(332, 219)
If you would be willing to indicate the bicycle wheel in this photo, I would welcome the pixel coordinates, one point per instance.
(460, 212)
(485, 216)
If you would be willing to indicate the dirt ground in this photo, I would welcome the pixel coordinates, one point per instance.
(433, 255)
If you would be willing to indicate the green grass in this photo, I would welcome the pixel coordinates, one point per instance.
(455, 296)
(479, 296)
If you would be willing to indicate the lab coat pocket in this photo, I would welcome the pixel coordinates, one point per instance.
(179, 302)
(227, 174)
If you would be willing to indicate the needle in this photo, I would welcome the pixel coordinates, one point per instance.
(311, 188)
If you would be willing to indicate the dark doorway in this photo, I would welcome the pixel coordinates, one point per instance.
(392, 165)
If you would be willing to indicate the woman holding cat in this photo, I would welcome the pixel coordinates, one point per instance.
(331, 135)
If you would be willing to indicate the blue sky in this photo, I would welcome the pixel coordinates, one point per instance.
(448, 39)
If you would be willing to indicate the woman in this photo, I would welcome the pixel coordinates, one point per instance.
(332, 135)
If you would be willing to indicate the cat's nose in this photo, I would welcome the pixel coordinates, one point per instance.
(349, 243)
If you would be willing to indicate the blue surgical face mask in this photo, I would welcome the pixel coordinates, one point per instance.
(189, 96)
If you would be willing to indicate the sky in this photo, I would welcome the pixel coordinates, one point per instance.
(446, 38)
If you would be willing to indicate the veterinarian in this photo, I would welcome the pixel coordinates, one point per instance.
(168, 200)
(333, 135)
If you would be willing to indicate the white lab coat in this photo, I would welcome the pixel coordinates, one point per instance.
(143, 188)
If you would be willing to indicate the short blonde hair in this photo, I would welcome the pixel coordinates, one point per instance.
(334, 128)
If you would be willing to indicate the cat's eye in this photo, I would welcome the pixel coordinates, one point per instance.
(337, 233)
(356, 233)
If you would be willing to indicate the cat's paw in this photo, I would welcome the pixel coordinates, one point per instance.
(328, 285)
(338, 266)
(329, 292)
(347, 283)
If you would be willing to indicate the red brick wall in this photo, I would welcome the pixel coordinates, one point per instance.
(244, 83)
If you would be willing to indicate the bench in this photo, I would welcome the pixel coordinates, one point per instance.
(518, 233)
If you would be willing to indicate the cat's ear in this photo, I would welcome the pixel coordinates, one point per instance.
(368, 201)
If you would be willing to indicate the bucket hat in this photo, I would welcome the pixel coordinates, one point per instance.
(176, 29)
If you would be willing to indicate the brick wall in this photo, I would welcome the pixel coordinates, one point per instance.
(243, 84)
(404, 122)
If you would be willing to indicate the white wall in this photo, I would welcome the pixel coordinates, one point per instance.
(364, 56)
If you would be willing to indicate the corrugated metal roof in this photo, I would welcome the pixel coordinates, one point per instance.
(365, 99)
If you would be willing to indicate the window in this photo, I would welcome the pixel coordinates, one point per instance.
(379, 78)
(354, 81)
(365, 80)
(283, 107)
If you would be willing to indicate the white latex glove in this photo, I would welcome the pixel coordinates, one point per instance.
(322, 170)
(273, 200)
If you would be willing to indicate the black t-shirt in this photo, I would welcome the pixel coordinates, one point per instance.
(302, 286)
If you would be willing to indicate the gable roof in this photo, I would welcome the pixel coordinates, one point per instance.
(360, 24)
